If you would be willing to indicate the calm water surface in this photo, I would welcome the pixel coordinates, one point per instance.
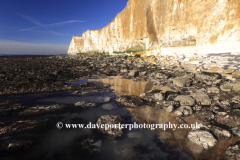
(157, 144)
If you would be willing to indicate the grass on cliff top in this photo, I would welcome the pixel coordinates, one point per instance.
(81, 53)
(133, 50)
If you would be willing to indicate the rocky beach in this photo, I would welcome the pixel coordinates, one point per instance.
(177, 89)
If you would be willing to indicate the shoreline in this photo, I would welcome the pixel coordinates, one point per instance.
(192, 90)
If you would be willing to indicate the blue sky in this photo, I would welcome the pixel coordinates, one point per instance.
(47, 26)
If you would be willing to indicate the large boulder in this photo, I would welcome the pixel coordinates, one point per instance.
(185, 100)
(202, 138)
(130, 101)
(112, 131)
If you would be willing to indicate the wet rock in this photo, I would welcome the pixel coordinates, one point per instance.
(14, 109)
(201, 98)
(16, 145)
(202, 138)
(221, 133)
(16, 126)
(180, 120)
(111, 119)
(88, 84)
(184, 111)
(130, 101)
(185, 100)
(86, 104)
(81, 92)
(229, 119)
(233, 151)
(236, 130)
(45, 108)
(153, 95)
(204, 115)
(182, 82)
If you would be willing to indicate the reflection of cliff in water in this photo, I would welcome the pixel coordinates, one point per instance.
(128, 86)
(176, 138)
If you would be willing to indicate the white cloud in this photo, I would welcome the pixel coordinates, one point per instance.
(18, 48)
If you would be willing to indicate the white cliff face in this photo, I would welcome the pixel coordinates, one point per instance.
(167, 27)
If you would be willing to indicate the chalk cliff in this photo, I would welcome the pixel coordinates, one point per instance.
(167, 27)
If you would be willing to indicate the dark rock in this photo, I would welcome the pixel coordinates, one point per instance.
(16, 145)
(16, 126)
(180, 120)
(38, 109)
(86, 104)
(229, 119)
(204, 115)
(112, 131)
(130, 101)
